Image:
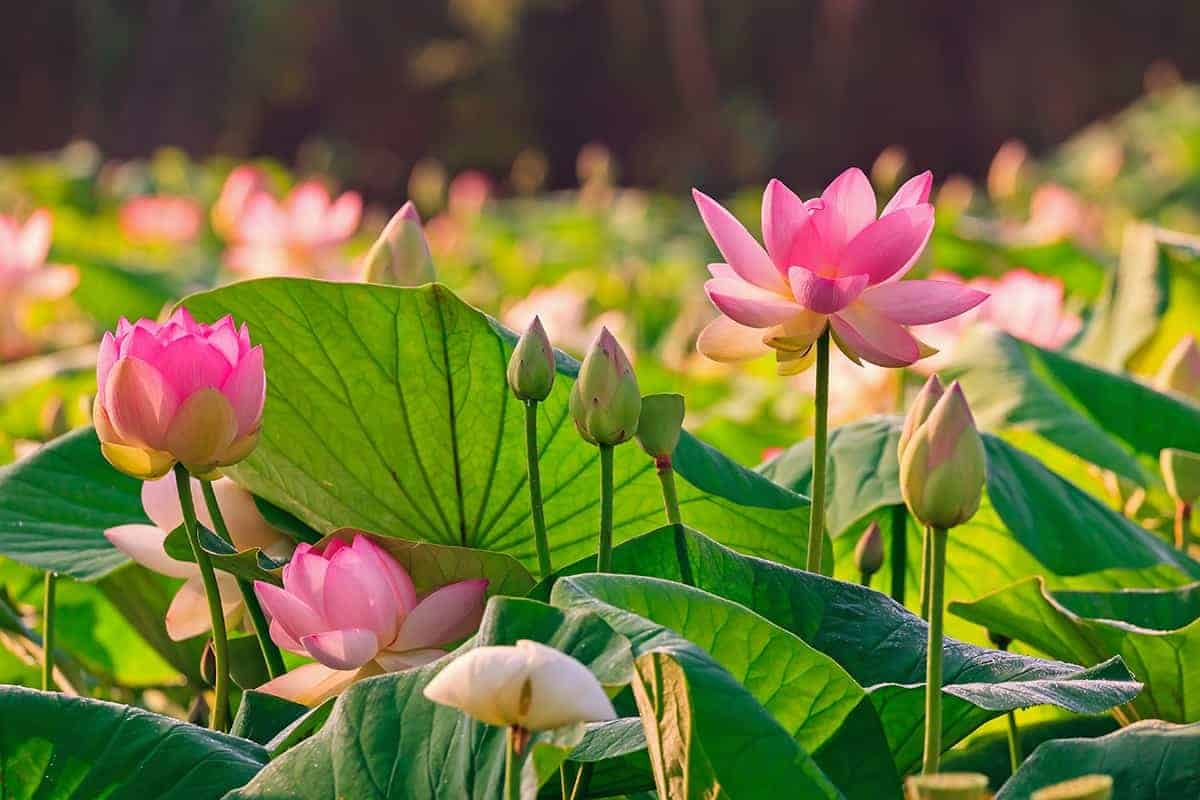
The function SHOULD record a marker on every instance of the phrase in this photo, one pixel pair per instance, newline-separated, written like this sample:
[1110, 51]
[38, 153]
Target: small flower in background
[241, 184]
[162, 218]
[26, 279]
[468, 193]
[528, 686]
[353, 608]
[563, 312]
[178, 391]
[827, 262]
[1057, 213]
[1023, 304]
[188, 614]
[299, 236]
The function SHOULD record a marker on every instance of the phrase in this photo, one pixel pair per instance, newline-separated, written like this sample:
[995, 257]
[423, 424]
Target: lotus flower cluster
[829, 263]
[188, 614]
[26, 278]
[354, 609]
[180, 391]
[298, 236]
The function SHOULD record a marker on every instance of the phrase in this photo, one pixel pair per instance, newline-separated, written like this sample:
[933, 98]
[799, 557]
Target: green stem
[535, 490]
[816, 520]
[899, 551]
[262, 628]
[582, 778]
[48, 631]
[604, 552]
[666, 476]
[925, 545]
[865, 579]
[1014, 742]
[933, 662]
[512, 764]
[220, 706]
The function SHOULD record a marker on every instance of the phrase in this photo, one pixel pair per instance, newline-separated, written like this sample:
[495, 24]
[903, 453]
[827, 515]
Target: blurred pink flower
[1022, 303]
[188, 614]
[1057, 213]
[240, 185]
[828, 262]
[354, 609]
[468, 193]
[178, 391]
[857, 390]
[300, 236]
[162, 218]
[563, 312]
[26, 278]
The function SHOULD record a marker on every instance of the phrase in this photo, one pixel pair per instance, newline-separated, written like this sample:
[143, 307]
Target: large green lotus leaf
[807, 692]
[1104, 417]
[383, 739]
[1031, 521]
[55, 746]
[879, 643]
[1151, 760]
[388, 410]
[1155, 631]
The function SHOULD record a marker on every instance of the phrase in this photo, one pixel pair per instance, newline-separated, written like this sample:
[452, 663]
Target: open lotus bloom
[178, 391]
[529, 686]
[353, 608]
[26, 278]
[299, 236]
[188, 614]
[828, 263]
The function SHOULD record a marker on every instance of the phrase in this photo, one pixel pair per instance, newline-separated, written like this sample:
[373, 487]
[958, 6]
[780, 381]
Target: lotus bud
[1181, 474]
[531, 366]
[180, 391]
[946, 786]
[1180, 371]
[605, 401]
[528, 686]
[400, 256]
[659, 424]
[918, 412]
[943, 468]
[868, 553]
[1085, 787]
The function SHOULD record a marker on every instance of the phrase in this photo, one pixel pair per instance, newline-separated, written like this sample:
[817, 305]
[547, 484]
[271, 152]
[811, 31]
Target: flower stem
[512, 763]
[666, 476]
[1183, 522]
[865, 579]
[899, 551]
[535, 490]
[925, 561]
[220, 707]
[583, 776]
[275, 666]
[816, 520]
[1014, 742]
[48, 631]
[604, 553]
[933, 661]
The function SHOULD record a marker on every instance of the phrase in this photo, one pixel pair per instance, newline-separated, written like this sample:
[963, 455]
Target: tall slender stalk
[218, 719]
[816, 521]
[666, 476]
[899, 551]
[512, 763]
[583, 776]
[933, 662]
[262, 629]
[540, 541]
[1183, 523]
[926, 541]
[1014, 742]
[48, 610]
[604, 552]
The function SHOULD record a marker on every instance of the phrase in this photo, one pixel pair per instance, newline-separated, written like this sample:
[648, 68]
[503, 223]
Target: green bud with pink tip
[400, 256]
[868, 553]
[920, 409]
[531, 366]
[942, 465]
[605, 402]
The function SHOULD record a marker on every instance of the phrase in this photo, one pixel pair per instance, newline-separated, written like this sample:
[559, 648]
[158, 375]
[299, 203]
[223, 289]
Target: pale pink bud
[943, 467]
[400, 256]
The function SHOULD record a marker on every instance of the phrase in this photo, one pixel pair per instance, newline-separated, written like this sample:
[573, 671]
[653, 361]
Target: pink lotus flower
[188, 614]
[178, 391]
[828, 262]
[26, 278]
[175, 220]
[299, 236]
[242, 183]
[354, 609]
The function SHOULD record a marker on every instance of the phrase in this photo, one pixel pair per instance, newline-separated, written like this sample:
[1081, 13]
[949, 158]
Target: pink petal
[749, 305]
[51, 282]
[394, 662]
[397, 577]
[725, 340]
[191, 363]
[783, 215]
[160, 501]
[740, 249]
[849, 207]
[284, 639]
[224, 338]
[723, 271]
[309, 684]
[139, 402]
[914, 192]
[409, 211]
[144, 544]
[350, 648]
[306, 205]
[293, 614]
[34, 240]
[824, 295]
[450, 613]
[344, 216]
[188, 614]
[874, 337]
[922, 302]
[304, 577]
[888, 248]
[247, 526]
[141, 342]
[246, 389]
[358, 594]
[105, 358]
